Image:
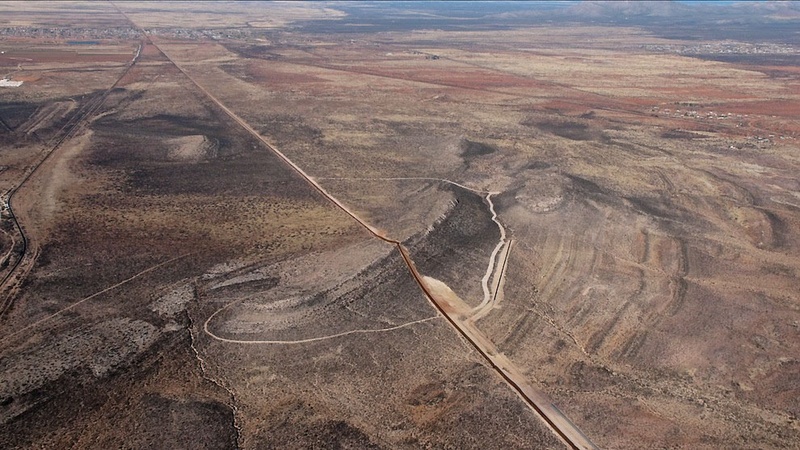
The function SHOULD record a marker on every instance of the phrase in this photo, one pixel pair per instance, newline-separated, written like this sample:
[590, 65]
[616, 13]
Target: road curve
[537, 400]
[500, 252]
[309, 340]
[488, 295]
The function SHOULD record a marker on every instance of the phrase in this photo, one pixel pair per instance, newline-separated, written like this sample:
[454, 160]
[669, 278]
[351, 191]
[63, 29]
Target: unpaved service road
[560, 425]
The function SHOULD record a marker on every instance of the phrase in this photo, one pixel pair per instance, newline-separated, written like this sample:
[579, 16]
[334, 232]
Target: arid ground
[364, 225]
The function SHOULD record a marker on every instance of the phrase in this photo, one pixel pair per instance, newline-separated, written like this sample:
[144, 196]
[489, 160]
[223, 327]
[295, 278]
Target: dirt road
[536, 399]
[19, 270]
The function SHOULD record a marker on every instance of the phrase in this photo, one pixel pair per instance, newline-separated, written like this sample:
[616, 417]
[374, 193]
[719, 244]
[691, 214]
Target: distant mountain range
[621, 9]
[751, 11]
[752, 21]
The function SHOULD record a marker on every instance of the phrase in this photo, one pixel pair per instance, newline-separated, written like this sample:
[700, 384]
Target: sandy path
[480, 312]
[314, 339]
[488, 294]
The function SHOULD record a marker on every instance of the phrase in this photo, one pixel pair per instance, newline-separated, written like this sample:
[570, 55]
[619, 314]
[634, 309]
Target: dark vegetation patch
[456, 408]
[288, 127]
[754, 59]
[16, 113]
[138, 149]
[298, 425]
[428, 394]
[117, 412]
[160, 125]
[252, 51]
[331, 311]
[681, 134]
[171, 423]
[574, 131]
[119, 98]
[243, 176]
[133, 152]
[778, 269]
[505, 200]
[473, 148]
[538, 165]
[86, 257]
[249, 287]
[85, 104]
[650, 206]
[45, 116]
[10, 140]
[584, 185]
[459, 243]
[398, 127]
[657, 207]
[779, 73]
[780, 230]
[590, 377]
[236, 70]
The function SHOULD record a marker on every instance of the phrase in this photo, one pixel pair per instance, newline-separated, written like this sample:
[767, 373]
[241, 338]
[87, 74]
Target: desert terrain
[379, 225]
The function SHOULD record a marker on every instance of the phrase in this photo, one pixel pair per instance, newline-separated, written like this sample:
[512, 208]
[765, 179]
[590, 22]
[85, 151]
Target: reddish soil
[28, 57]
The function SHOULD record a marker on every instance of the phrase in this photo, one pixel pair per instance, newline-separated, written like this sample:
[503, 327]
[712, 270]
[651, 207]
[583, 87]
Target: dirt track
[559, 424]
[85, 299]
[10, 285]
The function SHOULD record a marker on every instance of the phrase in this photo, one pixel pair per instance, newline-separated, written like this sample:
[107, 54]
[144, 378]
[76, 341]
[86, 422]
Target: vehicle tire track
[309, 340]
[96, 294]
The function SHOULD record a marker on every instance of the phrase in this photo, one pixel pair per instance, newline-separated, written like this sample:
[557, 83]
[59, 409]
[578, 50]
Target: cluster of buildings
[60, 33]
[216, 34]
[711, 115]
[88, 34]
[5, 82]
[725, 47]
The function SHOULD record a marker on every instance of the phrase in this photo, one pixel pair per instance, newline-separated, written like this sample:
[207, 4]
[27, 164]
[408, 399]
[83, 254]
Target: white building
[5, 82]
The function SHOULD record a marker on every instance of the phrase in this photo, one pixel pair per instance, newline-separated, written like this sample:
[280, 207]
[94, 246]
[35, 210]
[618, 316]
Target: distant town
[729, 47]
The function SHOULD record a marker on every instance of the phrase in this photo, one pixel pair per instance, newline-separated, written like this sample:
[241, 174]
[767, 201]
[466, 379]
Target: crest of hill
[620, 9]
[776, 10]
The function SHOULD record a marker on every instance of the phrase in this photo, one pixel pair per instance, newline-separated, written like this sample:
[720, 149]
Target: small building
[5, 82]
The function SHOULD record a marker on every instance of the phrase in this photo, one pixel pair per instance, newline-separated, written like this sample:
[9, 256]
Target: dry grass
[650, 290]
